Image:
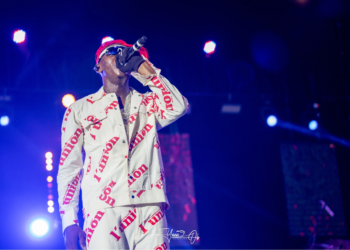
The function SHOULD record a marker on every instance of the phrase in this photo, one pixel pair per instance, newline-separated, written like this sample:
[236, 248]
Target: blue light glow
[4, 120]
[271, 120]
[313, 125]
[39, 228]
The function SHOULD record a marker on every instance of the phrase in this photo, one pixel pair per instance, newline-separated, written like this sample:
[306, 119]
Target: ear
[98, 68]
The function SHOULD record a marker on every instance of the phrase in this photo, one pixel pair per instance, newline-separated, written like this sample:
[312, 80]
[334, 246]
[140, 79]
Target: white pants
[127, 227]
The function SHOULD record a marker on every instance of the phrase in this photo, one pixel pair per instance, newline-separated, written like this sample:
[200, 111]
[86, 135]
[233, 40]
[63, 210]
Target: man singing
[122, 177]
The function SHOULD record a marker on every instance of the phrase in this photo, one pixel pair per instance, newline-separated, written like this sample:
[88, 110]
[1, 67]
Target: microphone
[327, 208]
[136, 46]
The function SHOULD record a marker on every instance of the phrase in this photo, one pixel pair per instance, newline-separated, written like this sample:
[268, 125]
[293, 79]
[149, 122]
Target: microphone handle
[137, 46]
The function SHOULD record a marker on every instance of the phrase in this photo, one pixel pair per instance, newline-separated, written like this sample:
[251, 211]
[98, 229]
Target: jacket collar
[98, 95]
[101, 93]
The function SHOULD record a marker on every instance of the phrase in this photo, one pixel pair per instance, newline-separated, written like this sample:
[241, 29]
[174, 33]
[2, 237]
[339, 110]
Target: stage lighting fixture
[39, 227]
[49, 161]
[50, 197]
[313, 125]
[49, 179]
[19, 36]
[5, 98]
[271, 120]
[209, 47]
[4, 120]
[48, 155]
[49, 185]
[107, 39]
[231, 109]
[49, 167]
[50, 203]
[67, 100]
[50, 209]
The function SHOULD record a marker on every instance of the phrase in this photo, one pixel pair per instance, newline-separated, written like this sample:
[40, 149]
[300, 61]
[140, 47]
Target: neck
[120, 88]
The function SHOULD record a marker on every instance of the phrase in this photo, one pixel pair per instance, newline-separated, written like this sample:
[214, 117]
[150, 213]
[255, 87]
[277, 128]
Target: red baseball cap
[142, 50]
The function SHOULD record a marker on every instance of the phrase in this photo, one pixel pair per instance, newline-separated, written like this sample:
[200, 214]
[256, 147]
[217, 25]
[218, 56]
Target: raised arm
[168, 104]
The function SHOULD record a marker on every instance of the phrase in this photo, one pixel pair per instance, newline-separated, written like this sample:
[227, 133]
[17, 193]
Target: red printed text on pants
[94, 223]
[126, 221]
[156, 217]
[161, 247]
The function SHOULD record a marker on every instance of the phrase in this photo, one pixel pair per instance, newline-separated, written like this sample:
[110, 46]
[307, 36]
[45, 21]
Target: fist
[72, 234]
[125, 64]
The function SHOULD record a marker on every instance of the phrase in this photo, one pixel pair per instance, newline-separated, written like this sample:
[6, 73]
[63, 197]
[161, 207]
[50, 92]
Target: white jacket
[115, 173]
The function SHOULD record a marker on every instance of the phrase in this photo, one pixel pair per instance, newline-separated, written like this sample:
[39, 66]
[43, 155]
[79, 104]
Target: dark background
[282, 55]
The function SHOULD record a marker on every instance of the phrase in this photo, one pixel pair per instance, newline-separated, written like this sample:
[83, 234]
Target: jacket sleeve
[71, 163]
[166, 101]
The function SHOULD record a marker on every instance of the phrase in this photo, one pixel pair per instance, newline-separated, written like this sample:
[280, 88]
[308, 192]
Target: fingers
[123, 54]
[71, 245]
[71, 236]
[119, 60]
[82, 240]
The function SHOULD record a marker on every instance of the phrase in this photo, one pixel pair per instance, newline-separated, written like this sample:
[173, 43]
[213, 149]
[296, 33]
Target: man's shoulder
[82, 103]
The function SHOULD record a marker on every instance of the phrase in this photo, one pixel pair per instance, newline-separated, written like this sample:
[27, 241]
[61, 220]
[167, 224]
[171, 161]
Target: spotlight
[271, 120]
[49, 167]
[4, 120]
[19, 36]
[50, 209]
[49, 179]
[49, 161]
[50, 197]
[313, 125]
[39, 227]
[107, 39]
[50, 203]
[48, 155]
[209, 47]
[67, 100]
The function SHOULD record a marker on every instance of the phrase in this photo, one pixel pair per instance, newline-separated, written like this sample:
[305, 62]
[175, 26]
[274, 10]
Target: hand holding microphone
[127, 60]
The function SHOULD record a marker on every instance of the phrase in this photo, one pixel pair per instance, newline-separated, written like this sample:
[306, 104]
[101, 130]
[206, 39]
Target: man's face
[108, 66]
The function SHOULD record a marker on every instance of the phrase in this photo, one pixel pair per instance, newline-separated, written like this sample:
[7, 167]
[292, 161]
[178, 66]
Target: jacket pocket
[93, 120]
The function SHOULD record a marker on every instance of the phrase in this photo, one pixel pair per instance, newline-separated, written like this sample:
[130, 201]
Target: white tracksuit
[118, 175]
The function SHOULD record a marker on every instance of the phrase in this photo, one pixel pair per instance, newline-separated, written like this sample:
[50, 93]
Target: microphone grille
[143, 40]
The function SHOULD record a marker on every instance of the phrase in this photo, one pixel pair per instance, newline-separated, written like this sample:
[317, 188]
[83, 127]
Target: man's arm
[168, 103]
[68, 177]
